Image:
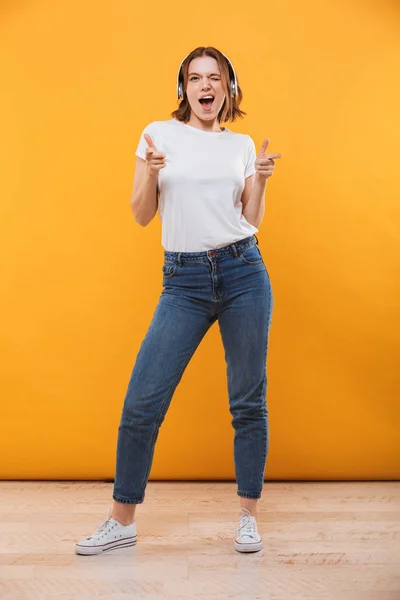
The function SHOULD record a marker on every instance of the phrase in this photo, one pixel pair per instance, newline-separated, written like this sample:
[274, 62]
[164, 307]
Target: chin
[206, 117]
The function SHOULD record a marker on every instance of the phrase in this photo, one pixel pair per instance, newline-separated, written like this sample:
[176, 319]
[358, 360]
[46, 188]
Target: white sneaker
[247, 537]
[110, 534]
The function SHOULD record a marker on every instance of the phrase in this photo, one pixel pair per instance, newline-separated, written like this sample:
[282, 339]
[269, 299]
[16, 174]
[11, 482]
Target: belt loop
[235, 250]
[256, 238]
[179, 258]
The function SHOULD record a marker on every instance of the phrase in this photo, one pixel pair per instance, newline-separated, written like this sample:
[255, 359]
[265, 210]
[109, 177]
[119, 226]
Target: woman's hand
[155, 160]
[265, 163]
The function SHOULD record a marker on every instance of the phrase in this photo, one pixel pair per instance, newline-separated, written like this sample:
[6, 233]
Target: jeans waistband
[235, 249]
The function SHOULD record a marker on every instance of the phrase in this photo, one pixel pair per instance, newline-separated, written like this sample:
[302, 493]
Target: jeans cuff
[249, 495]
[128, 500]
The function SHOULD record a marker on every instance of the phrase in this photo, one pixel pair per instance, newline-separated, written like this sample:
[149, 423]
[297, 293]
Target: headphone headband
[232, 77]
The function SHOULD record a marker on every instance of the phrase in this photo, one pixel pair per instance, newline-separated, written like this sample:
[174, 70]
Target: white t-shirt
[201, 185]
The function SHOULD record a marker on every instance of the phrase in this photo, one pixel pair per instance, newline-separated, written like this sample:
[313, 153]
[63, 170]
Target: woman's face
[204, 79]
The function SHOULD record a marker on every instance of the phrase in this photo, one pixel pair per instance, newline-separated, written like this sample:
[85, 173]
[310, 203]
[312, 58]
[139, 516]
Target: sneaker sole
[122, 543]
[248, 547]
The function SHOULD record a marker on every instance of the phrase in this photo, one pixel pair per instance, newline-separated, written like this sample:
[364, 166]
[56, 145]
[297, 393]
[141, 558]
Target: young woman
[208, 185]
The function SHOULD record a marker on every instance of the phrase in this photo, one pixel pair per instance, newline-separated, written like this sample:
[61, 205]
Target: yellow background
[80, 279]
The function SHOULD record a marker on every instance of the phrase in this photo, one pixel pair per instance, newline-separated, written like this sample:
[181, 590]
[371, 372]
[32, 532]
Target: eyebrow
[206, 74]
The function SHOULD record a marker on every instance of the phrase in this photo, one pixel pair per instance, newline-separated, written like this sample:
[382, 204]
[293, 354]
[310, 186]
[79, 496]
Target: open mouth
[207, 102]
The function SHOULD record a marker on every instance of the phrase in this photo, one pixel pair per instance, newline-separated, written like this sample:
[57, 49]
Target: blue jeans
[230, 284]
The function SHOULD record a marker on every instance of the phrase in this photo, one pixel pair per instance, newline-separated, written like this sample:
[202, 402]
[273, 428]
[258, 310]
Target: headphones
[232, 78]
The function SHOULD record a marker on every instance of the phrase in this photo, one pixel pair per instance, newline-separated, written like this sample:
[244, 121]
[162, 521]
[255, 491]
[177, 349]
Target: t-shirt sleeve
[142, 145]
[251, 156]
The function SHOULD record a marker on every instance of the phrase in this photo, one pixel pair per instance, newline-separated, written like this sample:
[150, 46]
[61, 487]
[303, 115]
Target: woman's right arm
[144, 201]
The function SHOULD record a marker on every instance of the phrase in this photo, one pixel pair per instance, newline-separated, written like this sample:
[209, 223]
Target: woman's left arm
[253, 196]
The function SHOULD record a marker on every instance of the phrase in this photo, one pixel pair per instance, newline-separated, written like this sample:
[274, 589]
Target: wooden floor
[339, 541]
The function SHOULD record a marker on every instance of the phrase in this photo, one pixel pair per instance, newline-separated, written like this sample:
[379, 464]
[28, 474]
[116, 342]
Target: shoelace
[102, 526]
[247, 525]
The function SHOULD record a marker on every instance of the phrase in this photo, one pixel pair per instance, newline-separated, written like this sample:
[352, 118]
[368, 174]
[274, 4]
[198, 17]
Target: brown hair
[230, 110]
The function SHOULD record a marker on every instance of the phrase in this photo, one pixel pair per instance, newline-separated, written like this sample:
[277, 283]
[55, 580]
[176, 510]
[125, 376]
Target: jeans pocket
[168, 269]
[252, 255]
